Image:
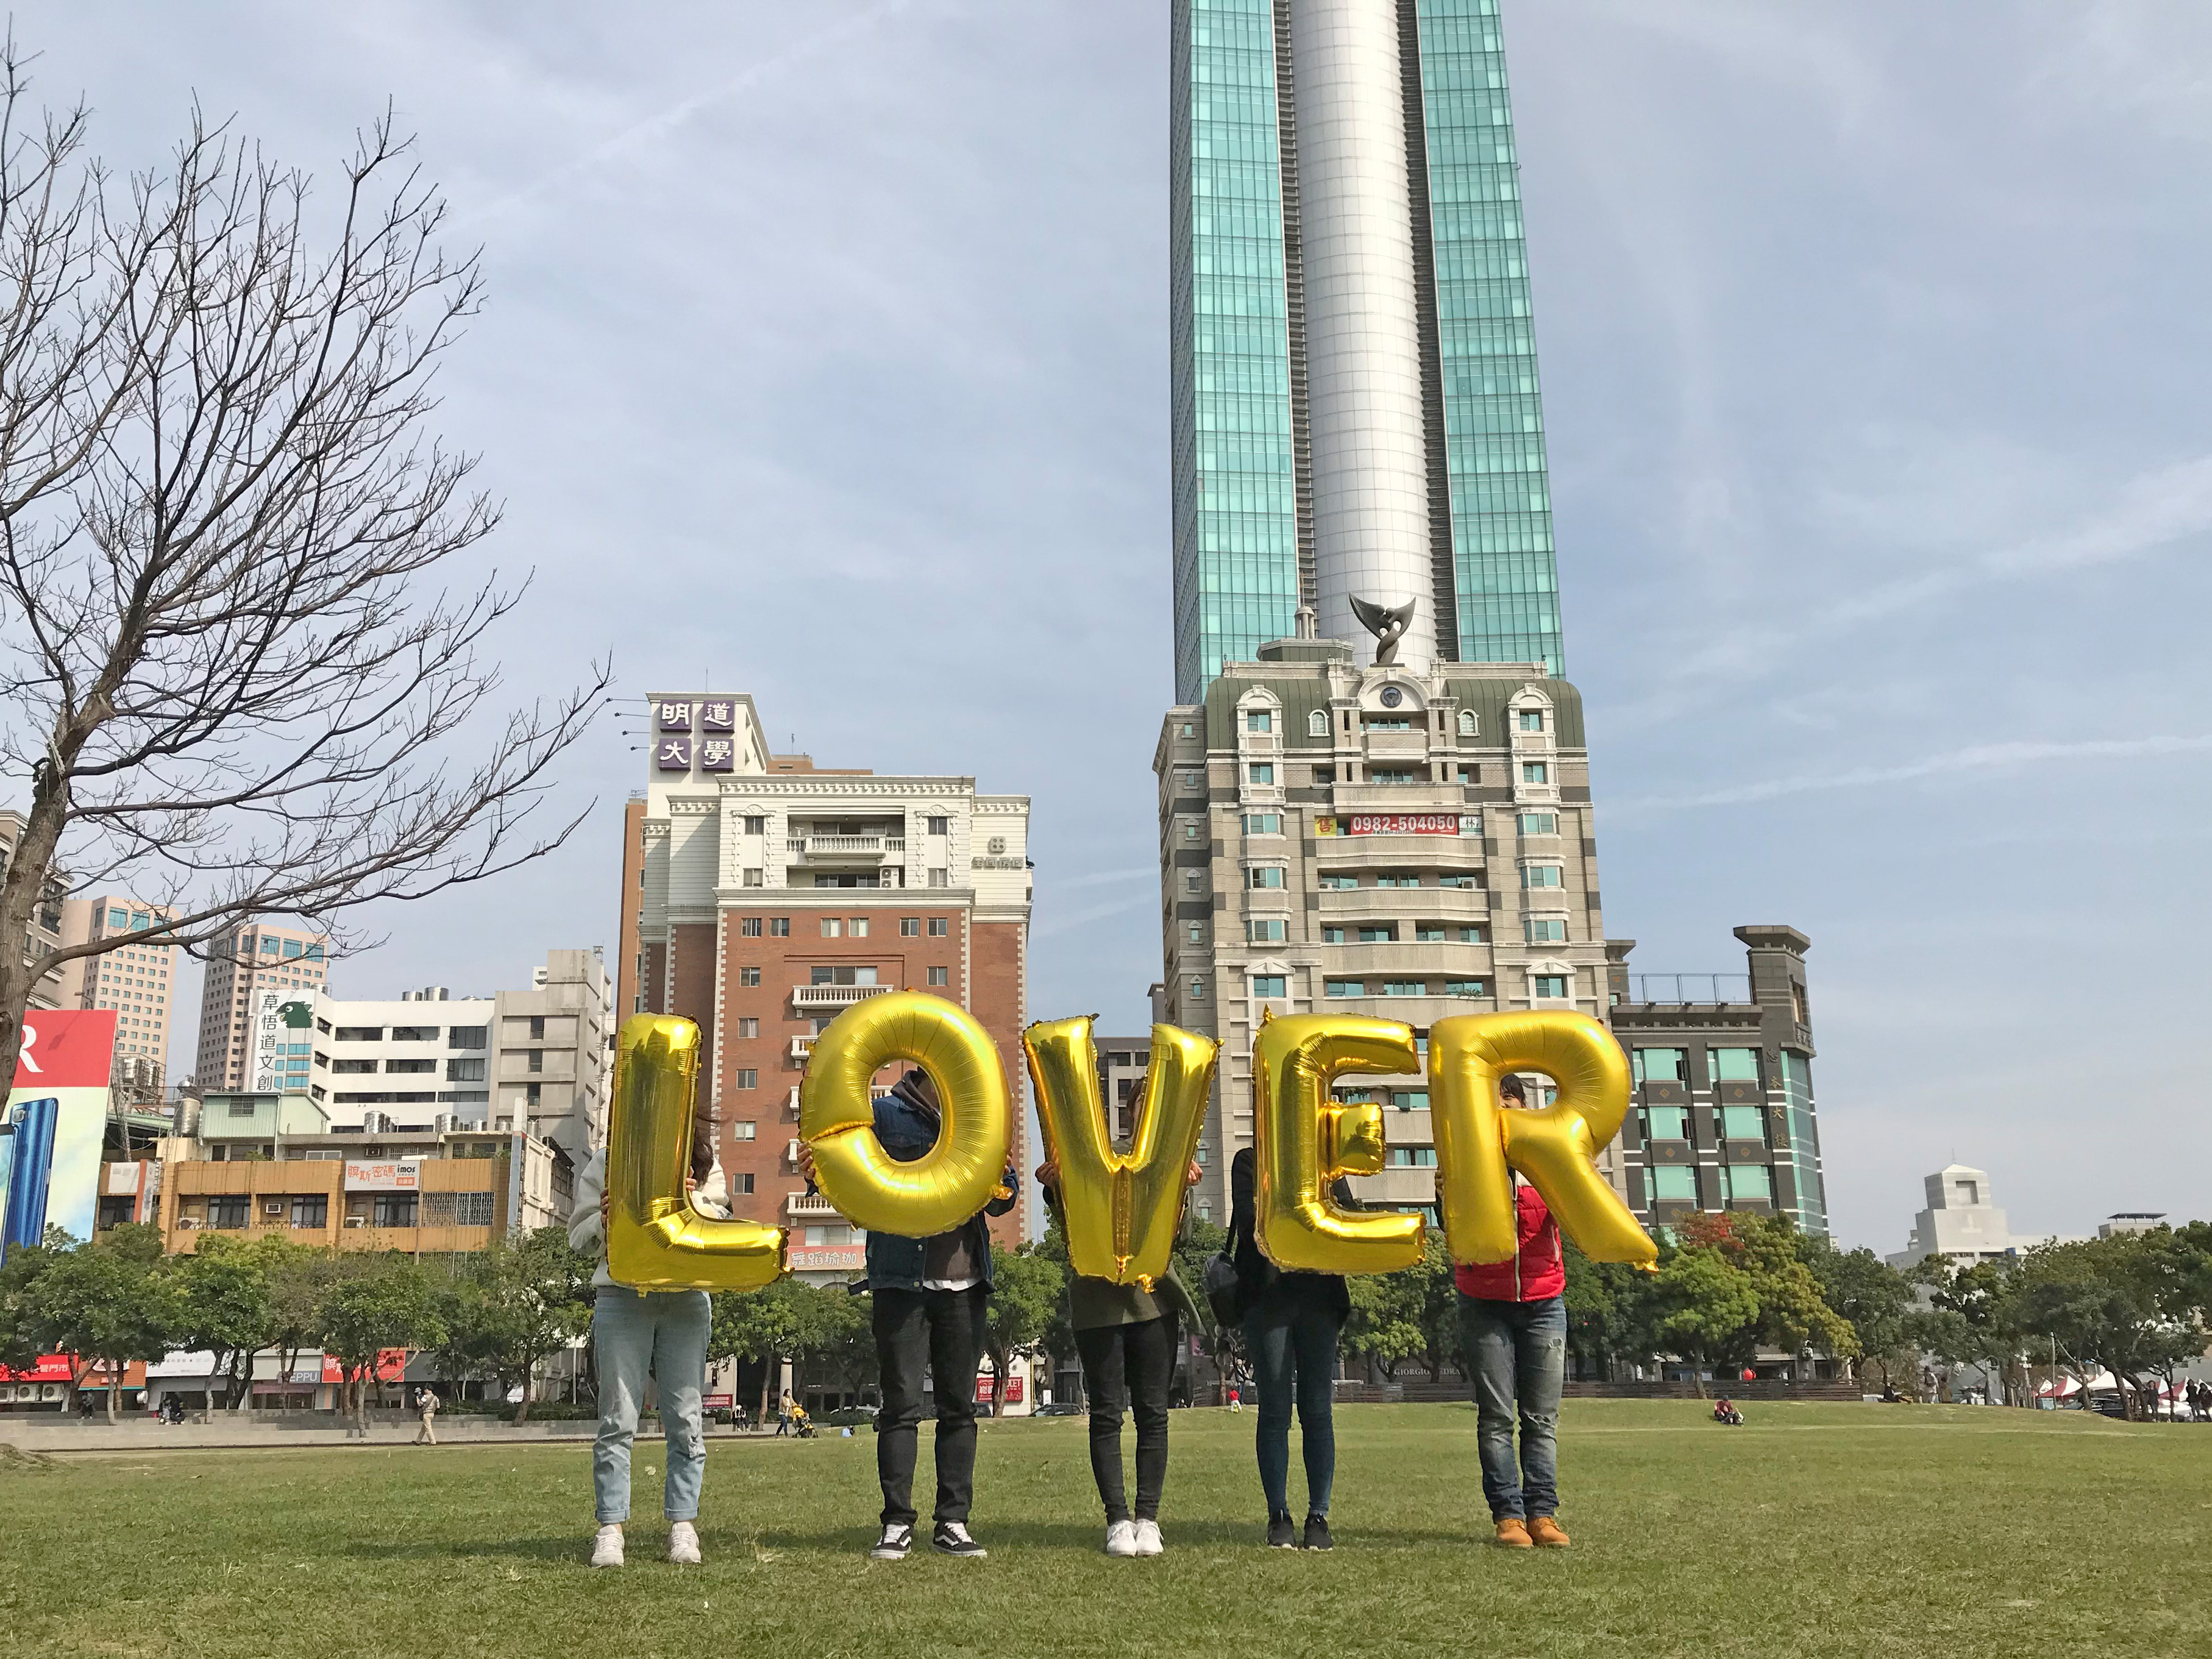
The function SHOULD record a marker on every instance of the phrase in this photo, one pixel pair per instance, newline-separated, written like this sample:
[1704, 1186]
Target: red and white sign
[66, 1049]
[1013, 1388]
[390, 1176]
[824, 1258]
[1400, 823]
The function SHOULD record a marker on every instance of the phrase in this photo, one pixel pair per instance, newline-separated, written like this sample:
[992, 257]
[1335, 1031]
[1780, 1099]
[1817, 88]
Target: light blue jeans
[662, 1333]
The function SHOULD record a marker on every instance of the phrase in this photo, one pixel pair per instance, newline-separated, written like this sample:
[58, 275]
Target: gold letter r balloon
[655, 1240]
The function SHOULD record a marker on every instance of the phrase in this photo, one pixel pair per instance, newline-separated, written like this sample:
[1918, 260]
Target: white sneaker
[1120, 1539]
[1148, 1538]
[607, 1547]
[683, 1544]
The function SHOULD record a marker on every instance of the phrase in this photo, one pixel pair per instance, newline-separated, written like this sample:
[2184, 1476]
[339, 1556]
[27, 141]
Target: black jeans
[1129, 1366]
[944, 1331]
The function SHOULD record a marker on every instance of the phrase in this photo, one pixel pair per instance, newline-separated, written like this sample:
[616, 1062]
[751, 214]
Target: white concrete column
[1363, 340]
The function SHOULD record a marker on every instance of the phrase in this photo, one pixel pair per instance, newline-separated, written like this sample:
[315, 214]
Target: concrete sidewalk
[230, 1433]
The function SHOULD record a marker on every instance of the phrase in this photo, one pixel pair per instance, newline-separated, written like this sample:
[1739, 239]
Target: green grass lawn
[1815, 1530]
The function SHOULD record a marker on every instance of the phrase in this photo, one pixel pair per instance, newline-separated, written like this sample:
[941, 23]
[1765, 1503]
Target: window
[1344, 988]
[1400, 879]
[1541, 875]
[1666, 1123]
[1324, 774]
[1532, 720]
[940, 976]
[1411, 1100]
[1198, 933]
[940, 878]
[1193, 882]
[1546, 930]
[533, 1094]
[938, 826]
[1743, 1123]
[1263, 824]
[1197, 990]
[937, 927]
[748, 1130]
[314, 953]
[1470, 775]
[1387, 723]
[465, 1071]
[1317, 724]
[1270, 985]
[748, 1078]
[1466, 728]
[312, 1210]
[352, 1068]
[468, 1037]
[778, 926]
[832, 927]
[1192, 780]
[1265, 930]
[414, 1067]
[1674, 1183]
[1535, 772]
[1401, 775]
[1190, 832]
[742, 1185]
[1457, 878]
[757, 825]
[421, 1034]
[1659, 1065]
[538, 1028]
[393, 1210]
[1405, 987]
[1463, 987]
[749, 927]
[1332, 935]
[753, 878]
[1258, 719]
[359, 1034]
[230, 1210]
[1428, 932]
[1262, 771]
[117, 919]
[1552, 985]
[1413, 1157]
[1189, 730]
[1742, 1183]
[748, 975]
[269, 947]
[1733, 1065]
[858, 928]
[1381, 934]
[1267, 875]
[909, 926]
[1338, 883]
[748, 1027]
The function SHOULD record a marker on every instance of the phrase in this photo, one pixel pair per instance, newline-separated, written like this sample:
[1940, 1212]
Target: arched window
[1317, 723]
[1467, 722]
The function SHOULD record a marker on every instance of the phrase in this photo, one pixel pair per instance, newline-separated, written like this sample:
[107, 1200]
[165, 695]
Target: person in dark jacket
[1513, 1327]
[929, 1305]
[1291, 1323]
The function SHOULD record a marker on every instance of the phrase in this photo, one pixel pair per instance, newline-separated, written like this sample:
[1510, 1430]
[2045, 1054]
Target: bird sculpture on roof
[1388, 624]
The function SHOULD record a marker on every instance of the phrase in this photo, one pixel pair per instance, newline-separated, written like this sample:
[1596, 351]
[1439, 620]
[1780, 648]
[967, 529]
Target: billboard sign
[825, 1258]
[384, 1175]
[1401, 824]
[50, 1134]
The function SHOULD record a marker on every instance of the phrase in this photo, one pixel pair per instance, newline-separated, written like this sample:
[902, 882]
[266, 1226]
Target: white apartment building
[261, 957]
[137, 980]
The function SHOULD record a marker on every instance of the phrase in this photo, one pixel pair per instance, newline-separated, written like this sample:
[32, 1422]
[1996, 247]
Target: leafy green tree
[224, 1307]
[1407, 1315]
[1793, 1313]
[839, 1338]
[22, 1337]
[382, 1301]
[1704, 1309]
[1875, 1298]
[1026, 1288]
[112, 1300]
[768, 1325]
[524, 1297]
[2109, 1302]
[1603, 1304]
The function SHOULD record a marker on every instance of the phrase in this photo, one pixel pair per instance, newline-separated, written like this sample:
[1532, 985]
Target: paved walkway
[231, 1433]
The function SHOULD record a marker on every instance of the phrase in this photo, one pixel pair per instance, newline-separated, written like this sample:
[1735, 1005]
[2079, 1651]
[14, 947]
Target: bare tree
[230, 667]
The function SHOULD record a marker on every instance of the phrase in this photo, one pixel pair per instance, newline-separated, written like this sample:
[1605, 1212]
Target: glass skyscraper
[1357, 414]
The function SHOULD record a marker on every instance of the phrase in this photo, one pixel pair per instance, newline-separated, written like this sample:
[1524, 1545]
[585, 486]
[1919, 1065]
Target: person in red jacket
[1513, 1326]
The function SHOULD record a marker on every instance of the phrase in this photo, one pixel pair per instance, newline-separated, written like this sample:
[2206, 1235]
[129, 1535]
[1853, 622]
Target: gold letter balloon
[1478, 1140]
[959, 1174]
[655, 1240]
[1120, 1209]
[1306, 1141]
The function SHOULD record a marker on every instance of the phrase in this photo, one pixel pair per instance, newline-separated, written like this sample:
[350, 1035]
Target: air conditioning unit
[356, 1221]
[272, 1206]
[186, 1223]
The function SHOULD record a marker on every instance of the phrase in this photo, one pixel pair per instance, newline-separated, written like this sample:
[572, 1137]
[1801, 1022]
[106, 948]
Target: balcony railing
[801, 1047]
[809, 1204]
[847, 847]
[834, 996]
[1694, 988]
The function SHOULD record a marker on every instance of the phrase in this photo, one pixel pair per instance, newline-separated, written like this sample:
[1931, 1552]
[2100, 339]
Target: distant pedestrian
[784, 1407]
[426, 1410]
[1236, 1398]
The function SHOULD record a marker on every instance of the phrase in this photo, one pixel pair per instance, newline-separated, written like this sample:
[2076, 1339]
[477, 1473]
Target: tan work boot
[1548, 1534]
[1513, 1534]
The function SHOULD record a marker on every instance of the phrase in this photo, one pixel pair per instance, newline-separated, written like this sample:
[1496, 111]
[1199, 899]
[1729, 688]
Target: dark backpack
[1223, 1294]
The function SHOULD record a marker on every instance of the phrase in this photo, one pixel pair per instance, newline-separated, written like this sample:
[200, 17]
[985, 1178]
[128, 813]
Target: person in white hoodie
[636, 1333]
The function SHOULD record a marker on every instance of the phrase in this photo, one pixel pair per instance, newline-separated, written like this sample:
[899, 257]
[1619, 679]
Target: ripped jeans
[662, 1333]
[1517, 1352]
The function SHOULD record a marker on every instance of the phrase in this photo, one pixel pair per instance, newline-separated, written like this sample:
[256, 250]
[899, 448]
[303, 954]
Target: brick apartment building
[763, 895]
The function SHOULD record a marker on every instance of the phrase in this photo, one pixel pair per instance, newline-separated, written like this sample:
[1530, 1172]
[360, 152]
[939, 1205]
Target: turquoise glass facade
[1810, 1212]
[1236, 503]
[1504, 574]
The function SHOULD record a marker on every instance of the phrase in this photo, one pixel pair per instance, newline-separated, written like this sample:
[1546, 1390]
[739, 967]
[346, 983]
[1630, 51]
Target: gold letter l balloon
[1120, 1209]
[1305, 1141]
[655, 1240]
[1478, 1140]
[957, 1176]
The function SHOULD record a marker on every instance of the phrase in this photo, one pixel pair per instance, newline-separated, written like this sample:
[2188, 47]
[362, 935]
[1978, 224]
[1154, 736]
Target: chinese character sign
[673, 716]
[672, 753]
[718, 716]
[717, 755]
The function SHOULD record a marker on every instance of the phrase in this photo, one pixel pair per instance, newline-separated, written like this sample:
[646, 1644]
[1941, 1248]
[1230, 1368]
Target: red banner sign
[65, 1049]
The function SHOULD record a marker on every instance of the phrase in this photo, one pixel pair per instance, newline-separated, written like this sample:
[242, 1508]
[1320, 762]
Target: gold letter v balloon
[1120, 1209]
[955, 1178]
[655, 1240]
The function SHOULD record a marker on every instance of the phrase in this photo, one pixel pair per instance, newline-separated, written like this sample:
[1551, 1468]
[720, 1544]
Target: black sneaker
[1317, 1536]
[893, 1545]
[953, 1538]
[1282, 1533]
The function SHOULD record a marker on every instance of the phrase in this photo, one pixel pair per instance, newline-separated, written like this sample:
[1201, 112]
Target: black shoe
[1317, 1536]
[1282, 1533]
[894, 1544]
[952, 1538]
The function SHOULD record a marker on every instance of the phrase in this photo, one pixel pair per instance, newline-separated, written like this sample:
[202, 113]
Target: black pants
[1129, 1366]
[944, 1331]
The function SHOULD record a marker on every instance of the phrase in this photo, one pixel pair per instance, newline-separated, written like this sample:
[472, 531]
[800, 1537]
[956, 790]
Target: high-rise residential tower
[1356, 410]
[261, 955]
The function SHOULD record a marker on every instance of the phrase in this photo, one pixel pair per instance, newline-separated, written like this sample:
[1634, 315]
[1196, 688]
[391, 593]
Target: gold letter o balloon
[959, 1174]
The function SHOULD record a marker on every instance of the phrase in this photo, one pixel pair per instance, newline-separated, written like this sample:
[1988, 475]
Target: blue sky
[826, 358]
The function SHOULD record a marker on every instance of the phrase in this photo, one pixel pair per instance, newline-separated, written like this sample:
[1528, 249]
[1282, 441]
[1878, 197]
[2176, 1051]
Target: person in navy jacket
[1513, 1329]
